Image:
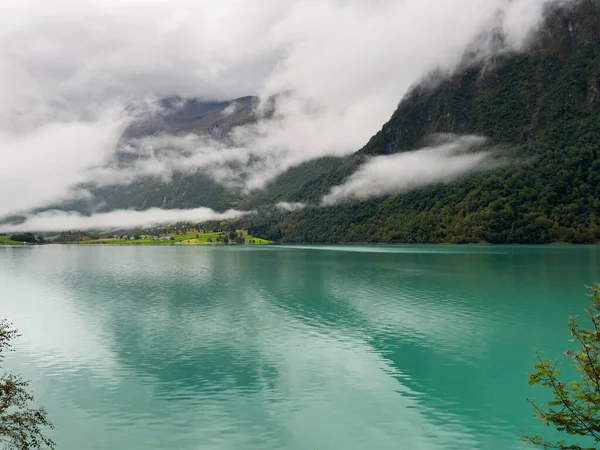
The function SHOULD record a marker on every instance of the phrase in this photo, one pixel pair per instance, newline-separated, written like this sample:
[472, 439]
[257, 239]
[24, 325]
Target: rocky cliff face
[511, 97]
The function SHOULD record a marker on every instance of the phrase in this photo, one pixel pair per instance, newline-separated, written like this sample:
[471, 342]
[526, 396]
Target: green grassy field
[203, 238]
[5, 240]
[191, 238]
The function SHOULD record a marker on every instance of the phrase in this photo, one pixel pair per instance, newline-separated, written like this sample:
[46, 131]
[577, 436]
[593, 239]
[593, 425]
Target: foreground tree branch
[575, 407]
[21, 426]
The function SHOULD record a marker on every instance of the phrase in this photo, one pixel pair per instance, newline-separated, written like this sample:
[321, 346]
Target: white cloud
[44, 165]
[63, 220]
[285, 206]
[231, 109]
[396, 173]
[66, 63]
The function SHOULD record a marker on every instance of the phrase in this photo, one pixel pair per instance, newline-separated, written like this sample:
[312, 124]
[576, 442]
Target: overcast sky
[69, 67]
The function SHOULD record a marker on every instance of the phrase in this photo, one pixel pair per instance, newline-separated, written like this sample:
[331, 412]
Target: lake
[299, 347]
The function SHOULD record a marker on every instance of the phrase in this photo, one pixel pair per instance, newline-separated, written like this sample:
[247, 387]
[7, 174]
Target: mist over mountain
[541, 106]
[139, 175]
[495, 144]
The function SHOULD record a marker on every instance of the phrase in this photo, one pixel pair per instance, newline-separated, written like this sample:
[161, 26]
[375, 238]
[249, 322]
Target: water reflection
[165, 347]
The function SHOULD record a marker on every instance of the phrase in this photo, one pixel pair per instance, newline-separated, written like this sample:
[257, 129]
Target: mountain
[194, 115]
[181, 117]
[177, 117]
[543, 104]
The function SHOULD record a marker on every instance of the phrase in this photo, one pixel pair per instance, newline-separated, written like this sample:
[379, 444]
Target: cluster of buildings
[143, 236]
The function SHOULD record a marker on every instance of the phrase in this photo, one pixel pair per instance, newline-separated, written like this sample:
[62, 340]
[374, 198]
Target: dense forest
[543, 105]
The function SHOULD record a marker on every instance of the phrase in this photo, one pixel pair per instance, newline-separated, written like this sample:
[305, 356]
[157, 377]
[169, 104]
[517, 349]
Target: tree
[21, 426]
[575, 408]
[41, 239]
[25, 237]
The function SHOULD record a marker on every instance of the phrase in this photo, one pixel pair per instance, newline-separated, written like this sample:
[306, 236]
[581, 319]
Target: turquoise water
[331, 347]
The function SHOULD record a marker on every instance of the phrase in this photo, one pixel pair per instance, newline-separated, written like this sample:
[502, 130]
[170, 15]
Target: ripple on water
[331, 347]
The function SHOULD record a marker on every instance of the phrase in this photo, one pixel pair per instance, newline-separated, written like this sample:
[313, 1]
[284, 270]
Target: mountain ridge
[543, 103]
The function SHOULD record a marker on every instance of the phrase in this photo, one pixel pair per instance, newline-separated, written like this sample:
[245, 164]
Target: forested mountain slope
[543, 104]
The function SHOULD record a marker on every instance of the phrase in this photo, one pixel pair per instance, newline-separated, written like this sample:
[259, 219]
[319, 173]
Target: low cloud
[63, 220]
[452, 158]
[285, 206]
[231, 109]
[162, 155]
[46, 164]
